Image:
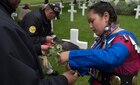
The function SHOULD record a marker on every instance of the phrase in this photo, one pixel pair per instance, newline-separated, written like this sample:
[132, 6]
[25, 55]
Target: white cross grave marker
[74, 39]
[137, 12]
[83, 8]
[79, 4]
[72, 11]
[61, 6]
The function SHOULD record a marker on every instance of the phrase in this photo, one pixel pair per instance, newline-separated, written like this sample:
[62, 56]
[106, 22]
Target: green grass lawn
[62, 30]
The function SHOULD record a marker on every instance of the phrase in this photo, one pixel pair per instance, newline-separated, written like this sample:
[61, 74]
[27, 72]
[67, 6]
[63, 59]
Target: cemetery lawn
[62, 30]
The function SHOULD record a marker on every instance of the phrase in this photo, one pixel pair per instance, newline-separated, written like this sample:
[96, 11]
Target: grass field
[62, 30]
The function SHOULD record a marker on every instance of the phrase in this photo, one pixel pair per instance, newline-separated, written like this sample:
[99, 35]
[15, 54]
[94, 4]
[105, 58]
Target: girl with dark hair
[114, 57]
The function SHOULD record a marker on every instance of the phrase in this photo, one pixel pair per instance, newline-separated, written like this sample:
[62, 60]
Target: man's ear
[106, 16]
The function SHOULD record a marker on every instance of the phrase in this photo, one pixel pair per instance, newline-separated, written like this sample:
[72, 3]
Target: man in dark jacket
[38, 25]
[18, 60]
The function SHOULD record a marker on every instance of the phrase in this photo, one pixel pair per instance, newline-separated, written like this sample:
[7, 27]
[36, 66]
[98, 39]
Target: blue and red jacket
[120, 56]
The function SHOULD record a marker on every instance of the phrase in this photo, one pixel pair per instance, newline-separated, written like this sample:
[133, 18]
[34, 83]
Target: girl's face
[97, 22]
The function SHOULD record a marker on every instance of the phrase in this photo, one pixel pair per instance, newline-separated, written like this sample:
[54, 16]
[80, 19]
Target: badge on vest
[32, 29]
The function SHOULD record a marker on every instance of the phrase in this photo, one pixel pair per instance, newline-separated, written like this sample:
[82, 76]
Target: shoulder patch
[32, 29]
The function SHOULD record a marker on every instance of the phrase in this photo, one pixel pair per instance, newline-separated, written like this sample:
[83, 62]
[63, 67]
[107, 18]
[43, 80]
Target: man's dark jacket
[37, 19]
[18, 61]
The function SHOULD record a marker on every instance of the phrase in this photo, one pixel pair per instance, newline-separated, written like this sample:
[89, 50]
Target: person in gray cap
[37, 24]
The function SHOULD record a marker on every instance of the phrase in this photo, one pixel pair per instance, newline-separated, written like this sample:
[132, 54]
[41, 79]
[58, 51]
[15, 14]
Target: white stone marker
[79, 4]
[137, 12]
[74, 39]
[72, 11]
[61, 6]
[83, 9]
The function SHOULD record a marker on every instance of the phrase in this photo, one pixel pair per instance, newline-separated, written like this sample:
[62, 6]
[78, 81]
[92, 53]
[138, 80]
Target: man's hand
[43, 49]
[71, 76]
[63, 57]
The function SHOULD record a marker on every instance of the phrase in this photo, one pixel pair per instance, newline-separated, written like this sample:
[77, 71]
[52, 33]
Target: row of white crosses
[83, 7]
[72, 11]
